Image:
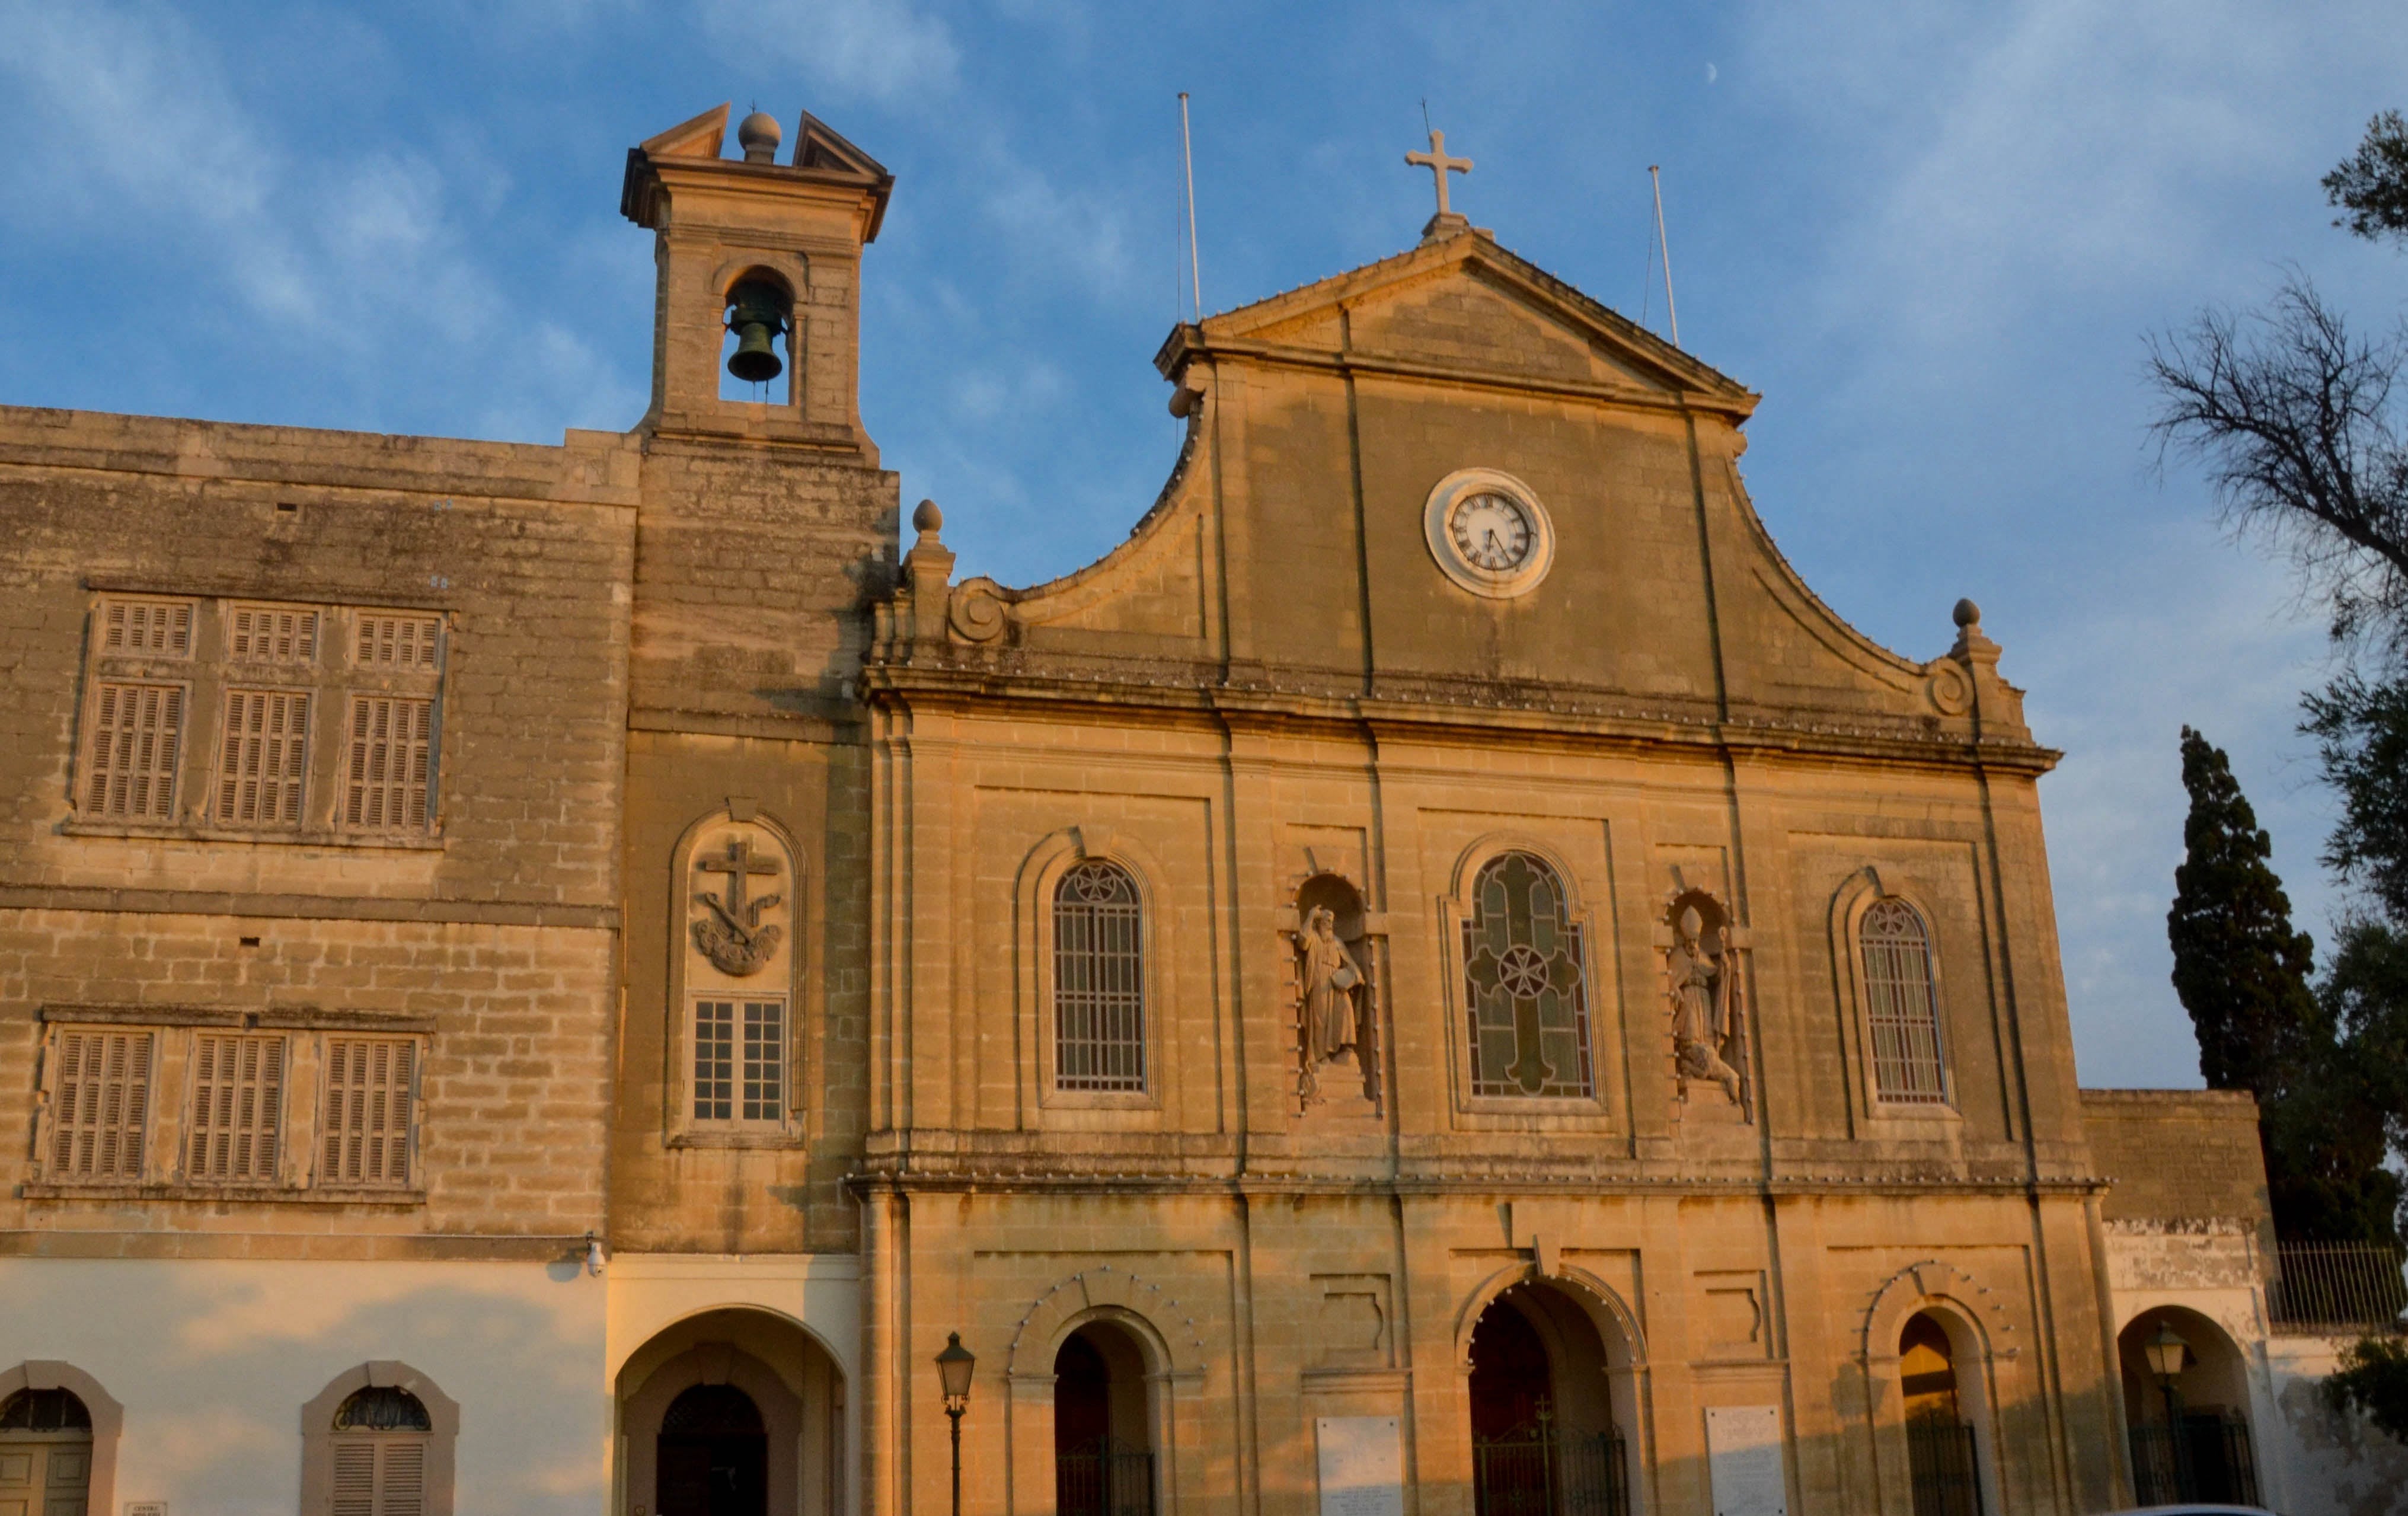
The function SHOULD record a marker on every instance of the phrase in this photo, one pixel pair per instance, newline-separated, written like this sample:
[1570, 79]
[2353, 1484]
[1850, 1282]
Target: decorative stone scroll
[1704, 987]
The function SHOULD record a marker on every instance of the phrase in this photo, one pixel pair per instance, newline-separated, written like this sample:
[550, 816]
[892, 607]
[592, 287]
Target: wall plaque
[1362, 1466]
[1744, 1461]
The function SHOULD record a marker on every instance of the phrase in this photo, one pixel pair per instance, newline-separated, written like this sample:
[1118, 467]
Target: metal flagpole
[1671, 311]
[1187, 160]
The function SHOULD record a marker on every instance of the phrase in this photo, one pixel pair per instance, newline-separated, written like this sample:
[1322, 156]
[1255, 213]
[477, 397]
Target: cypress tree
[2240, 970]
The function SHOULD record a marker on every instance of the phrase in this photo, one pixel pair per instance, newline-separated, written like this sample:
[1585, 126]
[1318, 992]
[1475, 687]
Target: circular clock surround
[1488, 533]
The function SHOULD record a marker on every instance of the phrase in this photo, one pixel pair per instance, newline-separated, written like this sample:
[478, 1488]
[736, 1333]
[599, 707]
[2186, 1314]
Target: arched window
[379, 1453]
[1525, 983]
[1903, 1012]
[1098, 981]
[45, 1453]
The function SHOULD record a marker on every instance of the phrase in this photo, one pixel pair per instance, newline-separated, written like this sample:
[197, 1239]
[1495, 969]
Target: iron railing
[2336, 1288]
[1103, 1478]
[1539, 1471]
[1943, 1468]
[2198, 1458]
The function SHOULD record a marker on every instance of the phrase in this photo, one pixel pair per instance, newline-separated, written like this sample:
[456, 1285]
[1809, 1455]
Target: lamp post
[2165, 1352]
[953, 1366]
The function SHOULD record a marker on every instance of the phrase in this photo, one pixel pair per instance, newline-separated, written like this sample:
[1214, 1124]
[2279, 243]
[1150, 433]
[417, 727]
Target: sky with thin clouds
[1934, 237]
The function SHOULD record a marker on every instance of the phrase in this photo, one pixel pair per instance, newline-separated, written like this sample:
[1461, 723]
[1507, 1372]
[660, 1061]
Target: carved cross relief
[731, 934]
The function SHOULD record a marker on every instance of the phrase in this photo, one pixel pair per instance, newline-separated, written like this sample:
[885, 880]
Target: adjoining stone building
[1435, 977]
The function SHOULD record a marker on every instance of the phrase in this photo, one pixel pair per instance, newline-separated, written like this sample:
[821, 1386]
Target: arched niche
[787, 1375]
[737, 961]
[1350, 1085]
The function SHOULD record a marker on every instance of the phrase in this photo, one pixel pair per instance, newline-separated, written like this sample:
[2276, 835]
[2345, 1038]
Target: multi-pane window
[1098, 981]
[740, 1062]
[390, 764]
[379, 1454]
[367, 1112]
[237, 1108]
[100, 1105]
[308, 720]
[136, 737]
[1525, 983]
[1901, 1006]
[265, 768]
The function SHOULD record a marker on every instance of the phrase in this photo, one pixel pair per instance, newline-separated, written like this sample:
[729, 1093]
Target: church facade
[1436, 977]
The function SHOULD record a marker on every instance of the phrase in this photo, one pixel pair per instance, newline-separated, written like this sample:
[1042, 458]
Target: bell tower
[767, 252]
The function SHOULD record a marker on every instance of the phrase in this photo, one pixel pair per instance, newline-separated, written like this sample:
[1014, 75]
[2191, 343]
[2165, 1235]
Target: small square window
[740, 1062]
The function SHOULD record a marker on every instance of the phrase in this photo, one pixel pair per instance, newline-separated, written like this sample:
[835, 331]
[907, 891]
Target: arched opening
[757, 348]
[1337, 1032]
[2190, 1426]
[1942, 1448]
[1546, 1441]
[1103, 1442]
[45, 1453]
[732, 1413]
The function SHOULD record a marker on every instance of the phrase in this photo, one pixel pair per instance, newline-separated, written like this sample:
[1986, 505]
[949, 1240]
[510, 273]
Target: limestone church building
[1436, 979]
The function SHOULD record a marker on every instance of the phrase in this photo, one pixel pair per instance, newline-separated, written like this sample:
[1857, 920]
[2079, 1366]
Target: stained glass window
[1525, 984]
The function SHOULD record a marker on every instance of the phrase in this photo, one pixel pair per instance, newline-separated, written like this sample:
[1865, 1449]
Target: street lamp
[2165, 1352]
[953, 1366]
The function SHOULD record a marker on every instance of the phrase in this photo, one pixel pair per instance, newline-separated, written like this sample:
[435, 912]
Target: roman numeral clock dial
[1488, 533]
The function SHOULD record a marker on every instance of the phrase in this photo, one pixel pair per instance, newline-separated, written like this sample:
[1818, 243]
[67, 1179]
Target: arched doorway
[1103, 1452]
[1943, 1448]
[732, 1412]
[1543, 1436]
[45, 1453]
[2190, 1428]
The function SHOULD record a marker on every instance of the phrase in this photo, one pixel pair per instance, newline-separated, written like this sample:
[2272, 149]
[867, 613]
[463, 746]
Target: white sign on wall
[1744, 1461]
[1362, 1466]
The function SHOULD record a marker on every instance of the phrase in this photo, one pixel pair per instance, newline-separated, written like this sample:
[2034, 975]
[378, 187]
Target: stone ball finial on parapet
[928, 519]
[1967, 613]
[759, 135]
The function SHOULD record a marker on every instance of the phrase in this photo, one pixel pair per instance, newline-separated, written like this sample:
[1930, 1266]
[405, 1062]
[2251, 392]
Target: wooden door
[45, 1476]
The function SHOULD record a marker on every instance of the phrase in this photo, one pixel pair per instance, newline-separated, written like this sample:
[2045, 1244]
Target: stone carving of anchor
[732, 935]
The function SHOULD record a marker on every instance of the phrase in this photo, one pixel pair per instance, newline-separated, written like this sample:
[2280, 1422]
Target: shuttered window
[100, 1105]
[399, 642]
[265, 764]
[380, 1454]
[146, 628]
[391, 760]
[272, 634]
[136, 734]
[1904, 1011]
[367, 1110]
[238, 1112]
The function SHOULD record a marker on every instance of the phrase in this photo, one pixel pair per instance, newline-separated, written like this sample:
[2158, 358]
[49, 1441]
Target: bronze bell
[758, 320]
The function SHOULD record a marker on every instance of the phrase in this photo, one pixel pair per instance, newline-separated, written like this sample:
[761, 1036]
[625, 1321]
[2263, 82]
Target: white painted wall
[213, 1361]
[2331, 1467]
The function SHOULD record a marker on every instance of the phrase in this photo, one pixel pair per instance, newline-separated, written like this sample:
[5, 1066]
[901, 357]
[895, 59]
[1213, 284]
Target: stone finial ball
[927, 518]
[1967, 613]
[758, 132]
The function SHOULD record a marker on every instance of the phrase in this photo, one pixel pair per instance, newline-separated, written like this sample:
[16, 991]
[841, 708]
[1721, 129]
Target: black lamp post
[2165, 1352]
[953, 1366]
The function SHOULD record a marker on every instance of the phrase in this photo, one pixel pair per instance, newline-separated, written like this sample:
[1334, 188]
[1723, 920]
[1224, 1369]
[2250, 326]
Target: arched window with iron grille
[1902, 1007]
[1098, 981]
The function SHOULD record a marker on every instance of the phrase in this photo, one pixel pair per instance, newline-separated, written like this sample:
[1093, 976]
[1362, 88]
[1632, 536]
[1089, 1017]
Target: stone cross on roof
[1440, 165]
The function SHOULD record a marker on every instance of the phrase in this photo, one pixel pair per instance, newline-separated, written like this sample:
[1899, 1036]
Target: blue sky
[1932, 235]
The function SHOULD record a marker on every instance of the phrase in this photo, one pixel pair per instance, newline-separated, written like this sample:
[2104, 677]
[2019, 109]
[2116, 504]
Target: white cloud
[876, 50]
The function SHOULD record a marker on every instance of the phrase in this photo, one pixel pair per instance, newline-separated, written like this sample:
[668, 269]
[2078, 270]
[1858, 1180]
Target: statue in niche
[1332, 1041]
[1705, 1014]
[732, 935]
[1331, 976]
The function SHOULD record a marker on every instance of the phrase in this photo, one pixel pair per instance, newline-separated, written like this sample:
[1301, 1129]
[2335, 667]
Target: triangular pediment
[1464, 304]
[820, 146]
[700, 138]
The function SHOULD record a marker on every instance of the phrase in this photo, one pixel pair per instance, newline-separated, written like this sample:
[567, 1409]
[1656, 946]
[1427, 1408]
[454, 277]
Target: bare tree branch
[2294, 422]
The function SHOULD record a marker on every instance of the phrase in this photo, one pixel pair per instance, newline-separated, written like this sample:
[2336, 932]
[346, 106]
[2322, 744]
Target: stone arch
[1040, 871]
[785, 1367]
[1164, 1334]
[317, 1431]
[1104, 1289]
[1541, 1298]
[2218, 1377]
[1981, 1350]
[790, 274]
[1616, 1323]
[107, 1418]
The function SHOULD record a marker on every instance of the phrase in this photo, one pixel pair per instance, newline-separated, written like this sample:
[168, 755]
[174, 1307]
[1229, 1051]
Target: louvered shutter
[138, 628]
[398, 641]
[265, 765]
[369, 1100]
[136, 734]
[238, 1108]
[390, 763]
[100, 1105]
[355, 1461]
[401, 1476]
[274, 634]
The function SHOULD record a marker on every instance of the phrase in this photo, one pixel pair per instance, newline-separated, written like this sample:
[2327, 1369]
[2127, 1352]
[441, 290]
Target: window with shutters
[264, 766]
[308, 724]
[1902, 1007]
[380, 1454]
[367, 1112]
[99, 1090]
[390, 767]
[739, 1063]
[234, 1125]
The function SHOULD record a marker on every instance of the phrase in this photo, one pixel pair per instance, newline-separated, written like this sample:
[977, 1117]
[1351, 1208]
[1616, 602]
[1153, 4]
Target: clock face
[1491, 531]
